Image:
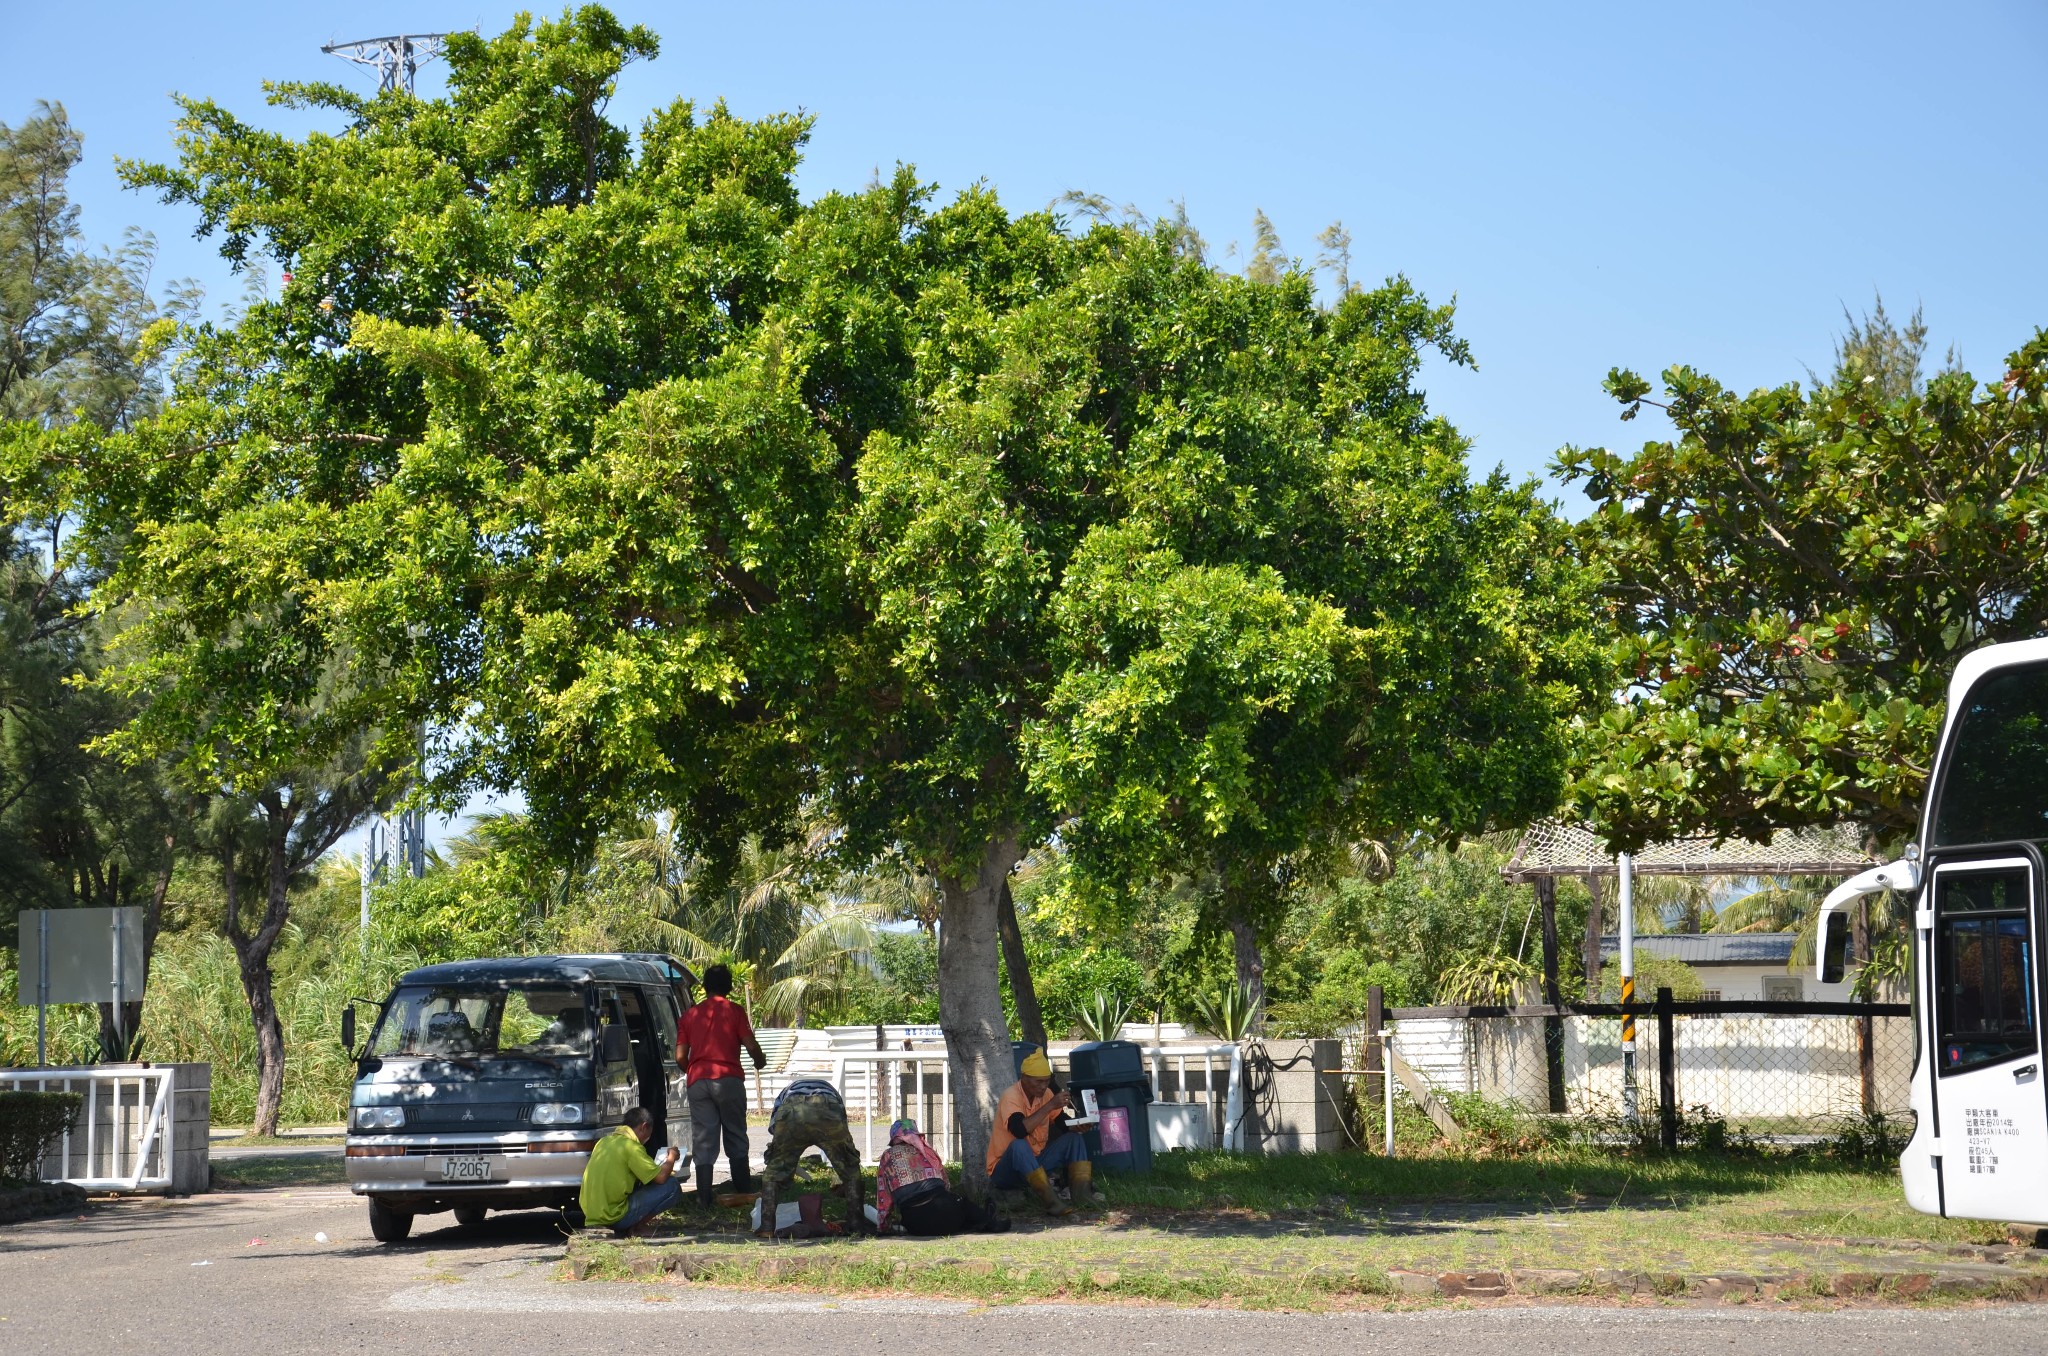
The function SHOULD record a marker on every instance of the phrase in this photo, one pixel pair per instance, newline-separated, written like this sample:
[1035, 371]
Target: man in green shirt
[623, 1186]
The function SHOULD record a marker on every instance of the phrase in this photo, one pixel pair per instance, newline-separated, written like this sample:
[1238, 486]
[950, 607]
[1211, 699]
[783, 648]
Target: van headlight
[380, 1117]
[558, 1113]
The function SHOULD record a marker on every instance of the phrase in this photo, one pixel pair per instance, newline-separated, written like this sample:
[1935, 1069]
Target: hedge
[30, 1122]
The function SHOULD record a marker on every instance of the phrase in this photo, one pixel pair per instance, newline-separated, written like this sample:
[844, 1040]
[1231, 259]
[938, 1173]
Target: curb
[35, 1202]
[818, 1265]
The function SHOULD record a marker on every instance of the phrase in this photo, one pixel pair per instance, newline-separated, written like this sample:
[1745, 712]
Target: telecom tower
[397, 59]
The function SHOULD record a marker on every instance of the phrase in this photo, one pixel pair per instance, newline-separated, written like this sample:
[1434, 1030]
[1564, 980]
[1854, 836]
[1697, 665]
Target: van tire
[388, 1225]
[572, 1218]
[469, 1216]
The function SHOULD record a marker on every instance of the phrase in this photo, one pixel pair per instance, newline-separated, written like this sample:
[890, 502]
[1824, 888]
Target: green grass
[235, 1174]
[1317, 1231]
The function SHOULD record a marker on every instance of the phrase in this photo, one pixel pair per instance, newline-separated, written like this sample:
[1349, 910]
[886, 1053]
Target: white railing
[880, 1086]
[121, 1139]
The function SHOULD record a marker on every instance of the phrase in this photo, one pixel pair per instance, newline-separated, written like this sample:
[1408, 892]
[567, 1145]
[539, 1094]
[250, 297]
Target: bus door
[1990, 1099]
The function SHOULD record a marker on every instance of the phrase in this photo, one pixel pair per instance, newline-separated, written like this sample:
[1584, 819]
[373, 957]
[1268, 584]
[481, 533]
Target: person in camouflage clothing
[810, 1114]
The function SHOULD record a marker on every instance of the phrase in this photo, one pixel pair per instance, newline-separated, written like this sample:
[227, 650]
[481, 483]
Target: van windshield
[1995, 787]
[470, 1022]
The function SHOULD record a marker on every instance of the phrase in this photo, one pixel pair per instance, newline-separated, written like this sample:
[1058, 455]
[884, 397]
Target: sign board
[95, 956]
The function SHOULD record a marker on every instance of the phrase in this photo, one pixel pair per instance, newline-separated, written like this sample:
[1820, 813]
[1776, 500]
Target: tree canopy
[1794, 578]
[643, 485]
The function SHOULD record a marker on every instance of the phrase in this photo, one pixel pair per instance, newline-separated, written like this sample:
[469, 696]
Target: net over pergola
[1550, 848]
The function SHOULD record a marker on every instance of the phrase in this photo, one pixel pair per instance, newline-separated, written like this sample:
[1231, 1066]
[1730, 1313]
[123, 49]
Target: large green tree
[645, 486]
[1794, 578]
[77, 827]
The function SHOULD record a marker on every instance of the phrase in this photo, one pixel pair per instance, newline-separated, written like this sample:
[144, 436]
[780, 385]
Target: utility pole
[1627, 871]
[397, 59]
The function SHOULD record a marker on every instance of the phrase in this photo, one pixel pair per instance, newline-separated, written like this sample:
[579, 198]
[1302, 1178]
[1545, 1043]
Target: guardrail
[121, 1140]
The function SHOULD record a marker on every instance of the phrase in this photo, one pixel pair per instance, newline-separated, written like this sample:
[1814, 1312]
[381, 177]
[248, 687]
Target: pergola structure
[1551, 849]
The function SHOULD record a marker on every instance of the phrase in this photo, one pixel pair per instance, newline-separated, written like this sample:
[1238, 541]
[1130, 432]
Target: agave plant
[1228, 1013]
[1489, 979]
[1104, 1016]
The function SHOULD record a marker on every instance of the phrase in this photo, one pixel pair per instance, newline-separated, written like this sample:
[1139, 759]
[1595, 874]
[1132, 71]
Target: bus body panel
[1979, 1148]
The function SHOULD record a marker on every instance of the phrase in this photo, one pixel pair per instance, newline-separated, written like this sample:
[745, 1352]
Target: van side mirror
[615, 1046]
[348, 1028]
[1832, 954]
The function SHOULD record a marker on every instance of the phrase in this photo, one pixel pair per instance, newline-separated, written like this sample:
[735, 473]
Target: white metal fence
[121, 1139]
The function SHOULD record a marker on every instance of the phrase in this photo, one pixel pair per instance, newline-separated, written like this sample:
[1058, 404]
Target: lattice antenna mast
[397, 59]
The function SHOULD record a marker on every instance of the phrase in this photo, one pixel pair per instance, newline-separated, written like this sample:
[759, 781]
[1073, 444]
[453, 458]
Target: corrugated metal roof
[1711, 948]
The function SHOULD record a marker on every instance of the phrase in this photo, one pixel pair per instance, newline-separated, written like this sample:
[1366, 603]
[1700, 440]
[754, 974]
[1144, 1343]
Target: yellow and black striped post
[1625, 868]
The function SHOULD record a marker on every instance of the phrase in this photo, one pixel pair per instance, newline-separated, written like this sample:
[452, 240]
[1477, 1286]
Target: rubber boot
[705, 1196]
[1041, 1187]
[856, 1213]
[767, 1202]
[741, 1182]
[1081, 1183]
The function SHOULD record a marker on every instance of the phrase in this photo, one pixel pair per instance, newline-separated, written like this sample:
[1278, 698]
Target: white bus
[1980, 1145]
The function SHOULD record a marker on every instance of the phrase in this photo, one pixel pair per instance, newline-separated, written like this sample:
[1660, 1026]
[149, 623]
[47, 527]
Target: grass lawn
[1317, 1230]
[240, 1174]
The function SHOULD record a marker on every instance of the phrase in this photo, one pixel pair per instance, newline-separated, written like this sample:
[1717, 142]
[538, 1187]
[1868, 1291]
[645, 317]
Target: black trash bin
[1115, 1072]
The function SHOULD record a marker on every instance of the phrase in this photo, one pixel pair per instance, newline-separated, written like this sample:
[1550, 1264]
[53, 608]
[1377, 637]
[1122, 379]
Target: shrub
[30, 1122]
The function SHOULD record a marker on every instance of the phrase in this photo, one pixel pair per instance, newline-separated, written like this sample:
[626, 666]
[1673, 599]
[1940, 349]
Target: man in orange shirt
[1030, 1140]
[708, 1041]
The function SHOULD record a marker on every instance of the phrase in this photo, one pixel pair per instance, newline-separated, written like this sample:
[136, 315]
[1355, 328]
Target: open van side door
[618, 1083]
[1984, 907]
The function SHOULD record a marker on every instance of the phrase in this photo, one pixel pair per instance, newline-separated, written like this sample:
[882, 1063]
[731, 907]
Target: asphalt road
[246, 1273]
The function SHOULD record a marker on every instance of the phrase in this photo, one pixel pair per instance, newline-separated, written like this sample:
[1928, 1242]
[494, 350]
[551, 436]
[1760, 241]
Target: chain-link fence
[1777, 1071]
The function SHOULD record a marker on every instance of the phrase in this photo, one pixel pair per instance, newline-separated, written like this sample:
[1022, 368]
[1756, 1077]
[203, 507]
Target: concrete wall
[1291, 1106]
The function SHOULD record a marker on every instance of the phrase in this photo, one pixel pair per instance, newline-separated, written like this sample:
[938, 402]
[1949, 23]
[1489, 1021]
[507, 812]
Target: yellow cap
[1036, 1065]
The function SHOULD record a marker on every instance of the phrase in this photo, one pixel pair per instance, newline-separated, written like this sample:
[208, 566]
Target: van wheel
[572, 1218]
[469, 1216]
[388, 1225]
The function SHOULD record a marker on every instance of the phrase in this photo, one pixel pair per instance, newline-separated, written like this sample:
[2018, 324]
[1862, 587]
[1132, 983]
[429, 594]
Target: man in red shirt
[708, 1042]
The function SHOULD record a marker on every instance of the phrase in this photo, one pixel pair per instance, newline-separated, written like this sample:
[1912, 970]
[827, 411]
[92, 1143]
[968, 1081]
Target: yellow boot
[1041, 1187]
[1081, 1183]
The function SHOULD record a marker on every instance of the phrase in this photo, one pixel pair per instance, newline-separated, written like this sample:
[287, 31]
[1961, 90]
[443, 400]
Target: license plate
[473, 1168]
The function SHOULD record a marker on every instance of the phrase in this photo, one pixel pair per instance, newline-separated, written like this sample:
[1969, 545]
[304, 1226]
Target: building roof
[1711, 948]
[1552, 848]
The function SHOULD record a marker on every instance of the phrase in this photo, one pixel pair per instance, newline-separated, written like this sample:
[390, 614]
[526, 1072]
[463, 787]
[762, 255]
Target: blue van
[485, 1084]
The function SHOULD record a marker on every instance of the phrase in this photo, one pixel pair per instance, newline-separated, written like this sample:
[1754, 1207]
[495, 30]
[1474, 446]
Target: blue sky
[1634, 185]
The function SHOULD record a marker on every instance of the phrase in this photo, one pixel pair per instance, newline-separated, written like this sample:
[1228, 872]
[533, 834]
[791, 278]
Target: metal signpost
[79, 956]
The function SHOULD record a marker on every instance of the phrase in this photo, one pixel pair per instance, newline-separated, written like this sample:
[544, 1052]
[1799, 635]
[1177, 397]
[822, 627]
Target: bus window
[1995, 787]
[1984, 958]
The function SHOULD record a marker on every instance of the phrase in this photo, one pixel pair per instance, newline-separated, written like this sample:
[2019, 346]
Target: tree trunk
[252, 955]
[118, 1039]
[1251, 970]
[1030, 1021]
[256, 984]
[971, 1003]
[1590, 954]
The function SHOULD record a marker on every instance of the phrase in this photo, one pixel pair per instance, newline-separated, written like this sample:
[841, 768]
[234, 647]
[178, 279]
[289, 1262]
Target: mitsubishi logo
[469, 1115]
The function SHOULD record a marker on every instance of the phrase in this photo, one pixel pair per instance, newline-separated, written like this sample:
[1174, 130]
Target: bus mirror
[617, 1046]
[1834, 946]
[348, 1028]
